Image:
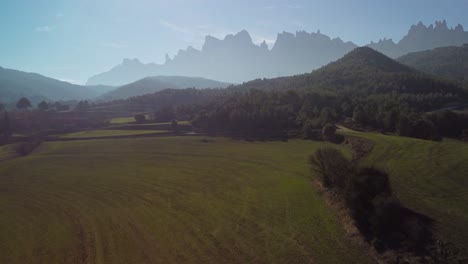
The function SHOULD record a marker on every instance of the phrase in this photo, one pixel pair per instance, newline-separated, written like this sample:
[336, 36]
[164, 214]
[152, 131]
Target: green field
[109, 133]
[429, 177]
[167, 200]
[122, 120]
[8, 151]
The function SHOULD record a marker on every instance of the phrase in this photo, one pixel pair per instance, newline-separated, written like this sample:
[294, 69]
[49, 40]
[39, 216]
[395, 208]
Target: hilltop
[154, 84]
[16, 84]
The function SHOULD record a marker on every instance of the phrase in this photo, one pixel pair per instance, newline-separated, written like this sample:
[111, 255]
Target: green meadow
[109, 133]
[428, 177]
[168, 200]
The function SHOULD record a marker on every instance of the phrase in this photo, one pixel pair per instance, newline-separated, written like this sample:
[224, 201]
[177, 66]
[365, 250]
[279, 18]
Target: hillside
[363, 71]
[16, 84]
[446, 62]
[363, 80]
[428, 177]
[154, 84]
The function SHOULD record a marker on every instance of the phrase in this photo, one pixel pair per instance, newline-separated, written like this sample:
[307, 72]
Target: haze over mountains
[447, 62]
[361, 72]
[16, 84]
[154, 84]
[237, 59]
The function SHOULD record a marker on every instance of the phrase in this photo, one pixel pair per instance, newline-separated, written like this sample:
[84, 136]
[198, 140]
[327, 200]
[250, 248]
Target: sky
[72, 40]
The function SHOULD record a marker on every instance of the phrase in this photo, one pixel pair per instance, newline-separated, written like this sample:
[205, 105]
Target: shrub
[329, 132]
[309, 130]
[175, 126]
[140, 118]
[361, 190]
[25, 148]
[331, 166]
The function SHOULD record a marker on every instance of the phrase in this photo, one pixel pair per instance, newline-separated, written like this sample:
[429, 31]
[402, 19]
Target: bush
[140, 118]
[175, 126]
[362, 188]
[329, 132]
[25, 148]
[309, 130]
[331, 166]
[464, 135]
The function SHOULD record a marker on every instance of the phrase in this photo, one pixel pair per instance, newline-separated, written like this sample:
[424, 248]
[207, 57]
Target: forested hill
[360, 74]
[362, 71]
[157, 83]
[446, 62]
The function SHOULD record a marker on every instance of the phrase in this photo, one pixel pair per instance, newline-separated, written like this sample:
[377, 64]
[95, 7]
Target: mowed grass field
[109, 133]
[122, 120]
[429, 177]
[168, 200]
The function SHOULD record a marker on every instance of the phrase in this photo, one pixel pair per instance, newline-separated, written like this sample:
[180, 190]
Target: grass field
[167, 200]
[429, 177]
[109, 133]
[122, 120]
[8, 151]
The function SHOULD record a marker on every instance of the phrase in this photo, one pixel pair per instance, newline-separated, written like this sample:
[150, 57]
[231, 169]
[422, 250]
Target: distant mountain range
[447, 62]
[16, 84]
[154, 84]
[237, 59]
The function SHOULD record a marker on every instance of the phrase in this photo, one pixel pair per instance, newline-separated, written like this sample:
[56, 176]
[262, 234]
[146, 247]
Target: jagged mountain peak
[235, 58]
[133, 61]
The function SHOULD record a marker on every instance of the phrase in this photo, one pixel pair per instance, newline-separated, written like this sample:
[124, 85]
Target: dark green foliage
[424, 129]
[60, 107]
[447, 62]
[309, 129]
[377, 213]
[5, 125]
[140, 118]
[329, 132]
[332, 167]
[24, 148]
[381, 217]
[464, 135]
[165, 114]
[82, 106]
[403, 126]
[175, 126]
[23, 103]
[417, 127]
[363, 188]
[43, 106]
[449, 123]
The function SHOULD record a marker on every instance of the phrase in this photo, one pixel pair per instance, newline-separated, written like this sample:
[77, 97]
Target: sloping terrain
[150, 85]
[446, 62]
[168, 200]
[429, 177]
[16, 84]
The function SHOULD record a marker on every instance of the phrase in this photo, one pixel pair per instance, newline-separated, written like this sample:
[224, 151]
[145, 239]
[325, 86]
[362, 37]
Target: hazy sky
[74, 39]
